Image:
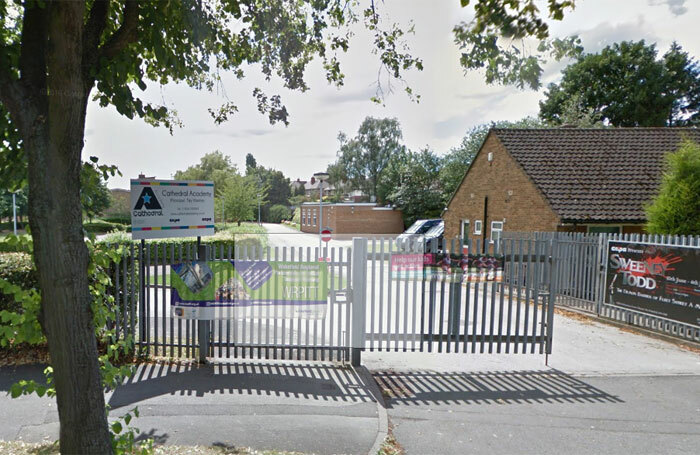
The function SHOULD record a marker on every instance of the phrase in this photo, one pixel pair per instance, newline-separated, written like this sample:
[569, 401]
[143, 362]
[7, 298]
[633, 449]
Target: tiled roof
[595, 174]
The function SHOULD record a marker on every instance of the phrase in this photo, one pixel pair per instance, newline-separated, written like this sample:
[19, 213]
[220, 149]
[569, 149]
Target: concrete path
[528, 412]
[606, 391]
[280, 235]
[309, 408]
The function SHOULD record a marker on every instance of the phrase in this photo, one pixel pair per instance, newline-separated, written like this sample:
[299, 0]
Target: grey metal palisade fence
[581, 279]
[368, 309]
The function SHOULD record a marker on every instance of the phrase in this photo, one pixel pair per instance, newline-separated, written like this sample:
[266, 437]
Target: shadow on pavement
[307, 381]
[11, 374]
[493, 387]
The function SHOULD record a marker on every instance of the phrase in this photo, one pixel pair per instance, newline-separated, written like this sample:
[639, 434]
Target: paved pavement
[537, 412]
[309, 408]
[280, 235]
[605, 391]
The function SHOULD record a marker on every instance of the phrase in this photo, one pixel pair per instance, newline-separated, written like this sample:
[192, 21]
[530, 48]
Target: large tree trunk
[54, 142]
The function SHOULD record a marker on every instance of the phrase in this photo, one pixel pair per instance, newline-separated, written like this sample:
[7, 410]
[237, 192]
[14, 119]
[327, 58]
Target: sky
[451, 102]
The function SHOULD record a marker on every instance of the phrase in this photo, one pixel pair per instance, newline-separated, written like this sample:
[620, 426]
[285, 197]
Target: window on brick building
[477, 227]
[496, 230]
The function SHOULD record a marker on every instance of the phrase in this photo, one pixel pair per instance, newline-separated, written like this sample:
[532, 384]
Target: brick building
[352, 218]
[566, 179]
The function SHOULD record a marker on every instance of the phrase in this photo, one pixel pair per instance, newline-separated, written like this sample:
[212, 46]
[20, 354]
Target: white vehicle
[423, 232]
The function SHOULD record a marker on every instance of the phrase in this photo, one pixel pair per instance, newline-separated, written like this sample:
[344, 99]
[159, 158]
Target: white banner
[171, 208]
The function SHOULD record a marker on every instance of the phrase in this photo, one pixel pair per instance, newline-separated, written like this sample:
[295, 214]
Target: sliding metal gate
[370, 306]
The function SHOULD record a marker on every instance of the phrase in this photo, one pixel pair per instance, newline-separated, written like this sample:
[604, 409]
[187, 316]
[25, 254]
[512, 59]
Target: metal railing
[581, 279]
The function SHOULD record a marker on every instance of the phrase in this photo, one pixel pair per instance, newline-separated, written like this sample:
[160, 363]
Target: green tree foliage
[94, 195]
[627, 85]
[55, 56]
[20, 200]
[456, 162]
[362, 158]
[494, 40]
[417, 192]
[214, 166]
[241, 195]
[676, 208]
[13, 165]
[250, 163]
[276, 186]
[279, 213]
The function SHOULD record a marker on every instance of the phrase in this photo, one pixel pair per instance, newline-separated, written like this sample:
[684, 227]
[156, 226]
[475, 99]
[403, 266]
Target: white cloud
[677, 7]
[451, 102]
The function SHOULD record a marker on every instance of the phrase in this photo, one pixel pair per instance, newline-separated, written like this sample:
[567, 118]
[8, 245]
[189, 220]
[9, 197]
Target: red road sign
[326, 235]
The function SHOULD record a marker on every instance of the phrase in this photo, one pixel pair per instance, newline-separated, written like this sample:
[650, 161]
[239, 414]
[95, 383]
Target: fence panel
[582, 269]
[420, 301]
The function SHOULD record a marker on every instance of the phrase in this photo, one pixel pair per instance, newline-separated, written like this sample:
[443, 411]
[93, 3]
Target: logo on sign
[147, 204]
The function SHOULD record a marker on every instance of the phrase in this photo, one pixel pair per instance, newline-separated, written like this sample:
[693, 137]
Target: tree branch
[23, 88]
[125, 34]
[32, 59]
[12, 93]
[93, 31]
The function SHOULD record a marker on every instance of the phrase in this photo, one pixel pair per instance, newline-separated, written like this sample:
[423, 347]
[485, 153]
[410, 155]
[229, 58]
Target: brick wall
[352, 219]
[511, 196]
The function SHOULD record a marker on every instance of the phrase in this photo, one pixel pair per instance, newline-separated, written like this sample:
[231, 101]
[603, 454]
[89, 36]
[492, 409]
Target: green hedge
[17, 268]
[103, 227]
[119, 219]
[224, 239]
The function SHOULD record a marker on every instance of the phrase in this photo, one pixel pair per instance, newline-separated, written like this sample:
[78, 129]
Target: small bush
[18, 269]
[17, 246]
[278, 213]
[676, 208]
[103, 227]
[124, 219]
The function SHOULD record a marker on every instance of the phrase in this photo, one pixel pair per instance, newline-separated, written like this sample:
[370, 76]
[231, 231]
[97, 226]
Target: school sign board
[659, 280]
[171, 208]
[249, 289]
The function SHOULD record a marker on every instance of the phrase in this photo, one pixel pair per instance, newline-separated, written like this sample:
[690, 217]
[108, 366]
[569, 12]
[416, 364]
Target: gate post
[202, 324]
[553, 277]
[359, 297]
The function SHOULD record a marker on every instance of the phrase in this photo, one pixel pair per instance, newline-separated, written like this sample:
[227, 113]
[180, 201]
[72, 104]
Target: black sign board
[659, 280]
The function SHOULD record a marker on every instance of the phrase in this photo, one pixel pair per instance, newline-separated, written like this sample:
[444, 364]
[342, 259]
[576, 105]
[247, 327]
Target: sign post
[171, 208]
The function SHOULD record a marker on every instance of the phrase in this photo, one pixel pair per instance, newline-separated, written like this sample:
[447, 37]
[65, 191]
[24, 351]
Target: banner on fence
[249, 289]
[465, 268]
[659, 280]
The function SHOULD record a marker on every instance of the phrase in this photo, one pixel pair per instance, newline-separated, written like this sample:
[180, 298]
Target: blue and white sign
[171, 208]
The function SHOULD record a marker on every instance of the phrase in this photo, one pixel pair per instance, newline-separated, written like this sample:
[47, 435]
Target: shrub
[18, 269]
[118, 218]
[279, 212]
[103, 227]
[676, 208]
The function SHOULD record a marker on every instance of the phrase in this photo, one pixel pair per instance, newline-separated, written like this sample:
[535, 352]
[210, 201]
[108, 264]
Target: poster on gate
[249, 289]
[464, 268]
[659, 280]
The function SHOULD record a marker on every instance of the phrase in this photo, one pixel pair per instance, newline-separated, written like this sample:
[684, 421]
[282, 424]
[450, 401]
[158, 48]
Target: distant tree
[456, 162]
[21, 203]
[363, 158]
[279, 213]
[58, 55]
[214, 166]
[676, 208]
[250, 163]
[575, 114]
[277, 187]
[240, 195]
[418, 192]
[626, 85]
[94, 195]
